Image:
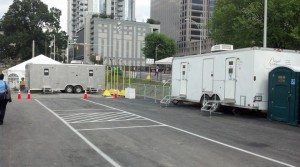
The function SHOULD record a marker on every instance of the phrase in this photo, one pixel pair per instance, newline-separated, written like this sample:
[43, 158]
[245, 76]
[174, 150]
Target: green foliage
[93, 59]
[241, 23]
[24, 22]
[152, 21]
[166, 46]
[103, 16]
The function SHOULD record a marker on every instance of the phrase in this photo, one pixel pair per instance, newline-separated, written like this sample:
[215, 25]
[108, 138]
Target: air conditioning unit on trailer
[221, 47]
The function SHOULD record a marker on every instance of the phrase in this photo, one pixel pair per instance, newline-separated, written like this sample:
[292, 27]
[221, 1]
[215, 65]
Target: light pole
[156, 67]
[50, 30]
[265, 24]
[200, 29]
[54, 46]
[73, 45]
[156, 48]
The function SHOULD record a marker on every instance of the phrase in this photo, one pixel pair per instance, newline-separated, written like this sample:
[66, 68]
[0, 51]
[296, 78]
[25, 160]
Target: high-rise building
[79, 9]
[76, 11]
[186, 22]
[167, 12]
[80, 14]
[119, 42]
[195, 15]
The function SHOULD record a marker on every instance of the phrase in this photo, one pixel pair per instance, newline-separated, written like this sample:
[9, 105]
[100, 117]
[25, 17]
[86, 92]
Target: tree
[241, 23]
[152, 21]
[165, 46]
[93, 59]
[26, 21]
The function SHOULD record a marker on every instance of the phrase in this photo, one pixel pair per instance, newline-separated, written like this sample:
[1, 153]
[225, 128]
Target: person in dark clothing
[4, 97]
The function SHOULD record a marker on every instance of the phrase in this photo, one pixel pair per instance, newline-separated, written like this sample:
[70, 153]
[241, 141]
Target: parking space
[127, 138]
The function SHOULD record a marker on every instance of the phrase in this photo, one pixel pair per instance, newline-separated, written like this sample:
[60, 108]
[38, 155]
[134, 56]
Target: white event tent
[165, 61]
[14, 74]
[165, 64]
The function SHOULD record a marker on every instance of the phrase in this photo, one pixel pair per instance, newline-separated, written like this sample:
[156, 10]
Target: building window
[197, 1]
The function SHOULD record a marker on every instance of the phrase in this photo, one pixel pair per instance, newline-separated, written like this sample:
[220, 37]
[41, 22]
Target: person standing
[22, 85]
[5, 97]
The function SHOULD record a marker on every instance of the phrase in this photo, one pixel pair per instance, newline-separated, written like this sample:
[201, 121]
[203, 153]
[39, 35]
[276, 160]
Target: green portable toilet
[284, 94]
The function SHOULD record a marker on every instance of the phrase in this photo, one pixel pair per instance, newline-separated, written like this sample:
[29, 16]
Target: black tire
[69, 89]
[176, 102]
[78, 89]
[215, 97]
[203, 99]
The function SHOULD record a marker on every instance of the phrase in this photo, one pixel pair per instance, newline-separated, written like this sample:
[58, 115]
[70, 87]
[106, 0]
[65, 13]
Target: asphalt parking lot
[66, 130]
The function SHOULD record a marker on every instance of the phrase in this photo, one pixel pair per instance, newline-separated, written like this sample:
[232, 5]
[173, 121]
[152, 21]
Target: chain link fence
[155, 92]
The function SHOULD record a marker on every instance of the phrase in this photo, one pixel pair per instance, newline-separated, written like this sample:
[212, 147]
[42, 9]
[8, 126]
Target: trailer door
[46, 78]
[183, 79]
[207, 75]
[230, 78]
[91, 79]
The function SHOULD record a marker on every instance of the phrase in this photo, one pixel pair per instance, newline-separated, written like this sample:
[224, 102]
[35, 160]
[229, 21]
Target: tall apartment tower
[195, 15]
[168, 13]
[79, 9]
[76, 11]
[186, 22]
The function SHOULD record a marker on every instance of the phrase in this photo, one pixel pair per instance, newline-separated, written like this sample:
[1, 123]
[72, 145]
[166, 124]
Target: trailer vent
[221, 47]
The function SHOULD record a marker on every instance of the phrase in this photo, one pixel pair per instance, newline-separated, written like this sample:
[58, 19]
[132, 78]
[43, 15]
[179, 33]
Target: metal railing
[150, 91]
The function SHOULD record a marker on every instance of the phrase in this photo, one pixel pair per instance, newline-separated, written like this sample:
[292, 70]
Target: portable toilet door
[283, 103]
[183, 79]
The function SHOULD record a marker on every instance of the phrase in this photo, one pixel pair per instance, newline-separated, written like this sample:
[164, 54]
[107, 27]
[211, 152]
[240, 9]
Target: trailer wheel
[203, 99]
[69, 89]
[215, 97]
[175, 102]
[78, 89]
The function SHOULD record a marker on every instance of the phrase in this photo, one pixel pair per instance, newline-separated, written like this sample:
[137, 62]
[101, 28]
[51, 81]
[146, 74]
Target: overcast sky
[142, 9]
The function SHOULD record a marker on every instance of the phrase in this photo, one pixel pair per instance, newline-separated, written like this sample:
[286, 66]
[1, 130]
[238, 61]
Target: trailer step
[46, 90]
[211, 106]
[166, 100]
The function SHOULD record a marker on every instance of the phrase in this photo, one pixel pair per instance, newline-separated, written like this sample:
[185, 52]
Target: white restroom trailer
[71, 78]
[237, 78]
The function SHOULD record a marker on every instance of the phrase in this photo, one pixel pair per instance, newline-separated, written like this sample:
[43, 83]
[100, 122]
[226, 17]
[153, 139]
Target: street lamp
[156, 48]
[265, 23]
[200, 29]
[73, 45]
[50, 30]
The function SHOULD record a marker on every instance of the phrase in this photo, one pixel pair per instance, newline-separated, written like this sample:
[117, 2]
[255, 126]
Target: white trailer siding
[58, 77]
[236, 76]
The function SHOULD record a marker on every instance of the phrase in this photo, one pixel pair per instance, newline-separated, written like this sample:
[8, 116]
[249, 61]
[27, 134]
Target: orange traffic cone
[28, 95]
[85, 96]
[19, 95]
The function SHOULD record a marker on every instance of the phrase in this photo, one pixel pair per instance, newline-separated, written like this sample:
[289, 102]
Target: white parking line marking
[99, 118]
[108, 121]
[120, 118]
[99, 151]
[90, 116]
[125, 127]
[202, 137]
[83, 115]
[84, 109]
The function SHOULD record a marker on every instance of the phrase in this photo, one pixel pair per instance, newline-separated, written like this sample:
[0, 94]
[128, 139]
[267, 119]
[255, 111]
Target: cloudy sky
[142, 9]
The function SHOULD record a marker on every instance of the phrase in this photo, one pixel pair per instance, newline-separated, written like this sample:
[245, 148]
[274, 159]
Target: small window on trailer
[91, 73]
[46, 72]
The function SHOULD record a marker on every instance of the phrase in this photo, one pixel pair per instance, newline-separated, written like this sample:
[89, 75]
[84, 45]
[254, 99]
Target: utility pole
[54, 47]
[33, 48]
[265, 24]
[67, 52]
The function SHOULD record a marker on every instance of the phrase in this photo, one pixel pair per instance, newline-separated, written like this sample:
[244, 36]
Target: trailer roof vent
[221, 47]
